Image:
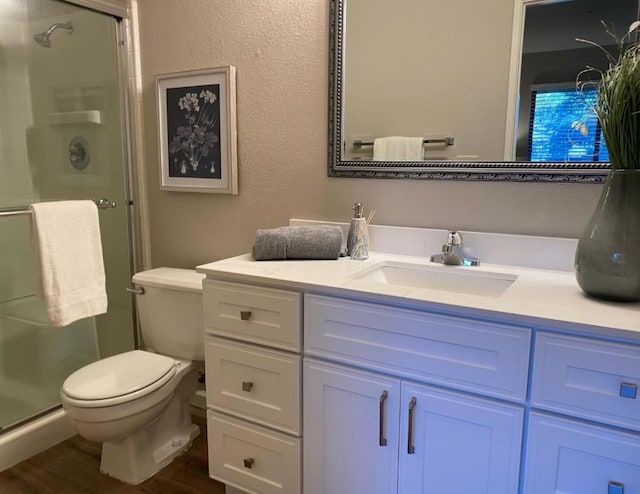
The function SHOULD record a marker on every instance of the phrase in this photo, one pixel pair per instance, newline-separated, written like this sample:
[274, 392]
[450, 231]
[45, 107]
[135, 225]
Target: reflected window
[551, 60]
[563, 126]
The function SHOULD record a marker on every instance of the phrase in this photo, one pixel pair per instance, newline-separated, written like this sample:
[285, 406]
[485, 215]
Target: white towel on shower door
[398, 149]
[68, 248]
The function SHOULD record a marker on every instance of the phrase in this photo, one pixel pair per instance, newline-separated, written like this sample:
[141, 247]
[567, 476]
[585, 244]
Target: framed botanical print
[197, 131]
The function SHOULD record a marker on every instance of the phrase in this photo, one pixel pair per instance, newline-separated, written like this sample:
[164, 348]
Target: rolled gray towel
[298, 242]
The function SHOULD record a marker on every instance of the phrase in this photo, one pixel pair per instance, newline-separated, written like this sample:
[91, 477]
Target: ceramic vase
[607, 263]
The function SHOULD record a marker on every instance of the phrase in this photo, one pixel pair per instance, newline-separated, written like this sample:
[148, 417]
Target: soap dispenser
[358, 237]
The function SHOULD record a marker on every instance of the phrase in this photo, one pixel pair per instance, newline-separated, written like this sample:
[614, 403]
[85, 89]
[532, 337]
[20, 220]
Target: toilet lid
[120, 375]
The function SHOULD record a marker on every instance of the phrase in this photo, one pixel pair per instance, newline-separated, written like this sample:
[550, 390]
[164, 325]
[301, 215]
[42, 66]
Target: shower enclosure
[61, 138]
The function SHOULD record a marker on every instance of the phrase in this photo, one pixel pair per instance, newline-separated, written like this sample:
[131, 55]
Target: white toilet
[138, 403]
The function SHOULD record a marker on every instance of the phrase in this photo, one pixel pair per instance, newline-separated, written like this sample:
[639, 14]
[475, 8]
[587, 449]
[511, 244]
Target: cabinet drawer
[487, 358]
[592, 379]
[578, 458]
[259, 315]
[252, 458]
[257, 384]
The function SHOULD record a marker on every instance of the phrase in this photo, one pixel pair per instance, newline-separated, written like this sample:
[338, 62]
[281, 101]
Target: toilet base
[135, 458]
[129, 460]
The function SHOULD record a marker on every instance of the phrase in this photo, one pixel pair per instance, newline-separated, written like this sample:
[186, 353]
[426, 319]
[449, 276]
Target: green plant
[618, 106]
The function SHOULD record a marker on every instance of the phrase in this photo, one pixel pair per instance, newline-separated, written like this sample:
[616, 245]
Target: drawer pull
[382, 440]
[245, 315]
[412, 415]
[615, 488]
[248, 462]
[628, 390]
[247, 385]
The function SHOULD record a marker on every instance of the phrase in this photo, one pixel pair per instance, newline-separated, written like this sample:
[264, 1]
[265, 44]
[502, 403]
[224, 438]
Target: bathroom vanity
[369, 377]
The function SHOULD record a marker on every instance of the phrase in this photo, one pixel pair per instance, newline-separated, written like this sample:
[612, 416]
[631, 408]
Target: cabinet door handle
[615, 487]
[247, 385]
[382, 440]
[245, 315]
[628, 390]
[248, 462]
[412, 415]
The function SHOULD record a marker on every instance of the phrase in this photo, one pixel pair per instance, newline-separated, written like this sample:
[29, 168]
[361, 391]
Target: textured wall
[280, 51]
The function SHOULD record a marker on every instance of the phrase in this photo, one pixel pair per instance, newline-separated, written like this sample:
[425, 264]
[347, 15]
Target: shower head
[44, 38]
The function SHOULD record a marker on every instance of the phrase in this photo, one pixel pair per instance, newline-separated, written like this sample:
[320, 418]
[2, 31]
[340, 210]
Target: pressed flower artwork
[193, 127]
[197, 130]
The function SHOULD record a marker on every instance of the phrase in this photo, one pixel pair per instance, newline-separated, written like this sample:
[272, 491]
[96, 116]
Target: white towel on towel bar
[66, 241]
[398, 149]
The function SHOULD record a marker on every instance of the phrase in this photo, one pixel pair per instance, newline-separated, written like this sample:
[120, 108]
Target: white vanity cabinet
[253, 375]
[317, 384]
[366, 432]
[594, 380]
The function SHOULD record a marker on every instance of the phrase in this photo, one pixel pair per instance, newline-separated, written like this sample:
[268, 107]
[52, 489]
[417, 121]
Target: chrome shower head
[44, 38]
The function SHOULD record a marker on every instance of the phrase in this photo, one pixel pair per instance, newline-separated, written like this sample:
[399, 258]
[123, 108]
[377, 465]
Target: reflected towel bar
[16, 211]
[447, 141]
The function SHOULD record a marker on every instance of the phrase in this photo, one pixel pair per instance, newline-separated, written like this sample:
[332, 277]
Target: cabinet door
[455, 443]
[350, 431]
[571, 457]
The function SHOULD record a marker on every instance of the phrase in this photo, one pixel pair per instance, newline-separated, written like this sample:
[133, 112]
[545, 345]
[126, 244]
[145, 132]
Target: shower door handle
[104, 203]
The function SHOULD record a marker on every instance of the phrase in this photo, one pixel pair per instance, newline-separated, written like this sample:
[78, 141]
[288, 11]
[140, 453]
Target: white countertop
[538, 298]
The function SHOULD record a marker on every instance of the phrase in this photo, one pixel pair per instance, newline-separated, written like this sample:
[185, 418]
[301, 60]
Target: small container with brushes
[358, 237]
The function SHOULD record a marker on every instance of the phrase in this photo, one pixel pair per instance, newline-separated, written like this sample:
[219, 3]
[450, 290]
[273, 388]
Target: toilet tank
[170, 312]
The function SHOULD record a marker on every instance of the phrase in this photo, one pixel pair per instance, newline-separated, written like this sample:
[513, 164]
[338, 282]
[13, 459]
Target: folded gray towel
[298, 242]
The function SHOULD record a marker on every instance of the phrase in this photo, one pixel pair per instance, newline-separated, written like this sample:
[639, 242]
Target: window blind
[564, 127]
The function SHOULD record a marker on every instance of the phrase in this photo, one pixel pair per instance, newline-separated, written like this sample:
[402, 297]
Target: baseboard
[34, 437]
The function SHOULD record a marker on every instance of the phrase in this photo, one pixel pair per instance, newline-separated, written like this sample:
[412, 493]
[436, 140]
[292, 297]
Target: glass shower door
[60, 138]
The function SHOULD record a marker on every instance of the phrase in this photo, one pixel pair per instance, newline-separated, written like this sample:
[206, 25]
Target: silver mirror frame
[512, 171]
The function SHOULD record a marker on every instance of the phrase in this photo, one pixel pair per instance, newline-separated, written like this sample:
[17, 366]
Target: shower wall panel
[16, 187]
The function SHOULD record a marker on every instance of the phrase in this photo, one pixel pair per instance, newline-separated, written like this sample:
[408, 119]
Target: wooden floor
[74, 467]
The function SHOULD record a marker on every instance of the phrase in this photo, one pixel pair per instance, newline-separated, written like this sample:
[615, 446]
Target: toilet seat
[118, 379]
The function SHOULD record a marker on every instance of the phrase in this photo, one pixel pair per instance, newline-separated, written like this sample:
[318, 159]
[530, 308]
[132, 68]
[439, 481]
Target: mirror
[471, 79]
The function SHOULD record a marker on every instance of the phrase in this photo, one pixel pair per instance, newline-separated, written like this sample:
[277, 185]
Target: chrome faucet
[452, 253]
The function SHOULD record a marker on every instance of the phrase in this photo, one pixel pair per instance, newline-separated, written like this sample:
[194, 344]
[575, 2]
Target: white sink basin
[437, 277]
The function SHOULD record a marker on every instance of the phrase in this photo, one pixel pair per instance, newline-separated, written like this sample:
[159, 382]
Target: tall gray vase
[607, 263]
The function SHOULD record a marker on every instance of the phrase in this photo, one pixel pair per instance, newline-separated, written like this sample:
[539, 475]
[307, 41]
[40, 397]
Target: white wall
[280, 50]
